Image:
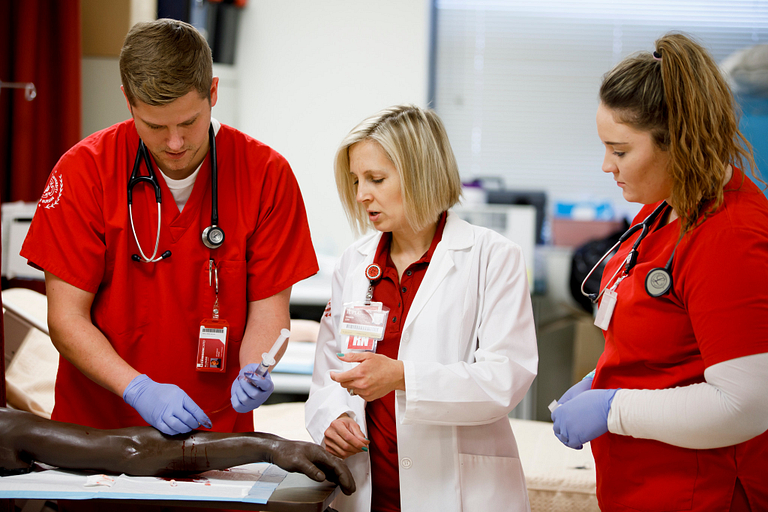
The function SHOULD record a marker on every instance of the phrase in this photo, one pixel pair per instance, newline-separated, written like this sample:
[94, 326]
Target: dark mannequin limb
[144, 451]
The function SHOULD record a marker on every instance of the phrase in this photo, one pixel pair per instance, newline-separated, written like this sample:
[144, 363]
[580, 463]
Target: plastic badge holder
[362, 326]
[212, 346]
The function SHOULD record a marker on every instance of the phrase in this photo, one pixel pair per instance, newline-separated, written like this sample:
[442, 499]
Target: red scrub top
[151, 312]
[717, 310]
[396, 294]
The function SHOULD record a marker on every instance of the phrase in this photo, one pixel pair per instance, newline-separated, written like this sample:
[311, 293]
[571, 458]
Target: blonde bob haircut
[678, 95]
[416, 142]
[164, 60]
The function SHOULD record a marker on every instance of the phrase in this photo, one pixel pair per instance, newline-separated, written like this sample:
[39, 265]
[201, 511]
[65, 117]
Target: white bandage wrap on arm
[729, 408]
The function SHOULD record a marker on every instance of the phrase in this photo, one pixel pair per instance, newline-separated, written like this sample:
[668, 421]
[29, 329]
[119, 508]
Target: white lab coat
[469, 350]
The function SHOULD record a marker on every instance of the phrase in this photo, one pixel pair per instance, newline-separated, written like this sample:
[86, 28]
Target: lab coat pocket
[492, 483]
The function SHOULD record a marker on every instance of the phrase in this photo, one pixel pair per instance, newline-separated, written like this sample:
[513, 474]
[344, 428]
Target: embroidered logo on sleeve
[53, 191]
[327, 312]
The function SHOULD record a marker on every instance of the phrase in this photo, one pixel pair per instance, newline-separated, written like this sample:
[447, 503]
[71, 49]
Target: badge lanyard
[364, 324]
[214, 332]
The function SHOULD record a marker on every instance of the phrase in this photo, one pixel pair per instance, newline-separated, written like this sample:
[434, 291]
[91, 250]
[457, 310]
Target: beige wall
[306, 72]
[309, 71]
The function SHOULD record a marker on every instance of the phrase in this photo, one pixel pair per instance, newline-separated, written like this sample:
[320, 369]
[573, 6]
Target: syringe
[268, 358]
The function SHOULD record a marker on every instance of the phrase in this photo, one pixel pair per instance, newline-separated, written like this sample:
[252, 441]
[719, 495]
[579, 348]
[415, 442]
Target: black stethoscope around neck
[213, 235]
[658, 281]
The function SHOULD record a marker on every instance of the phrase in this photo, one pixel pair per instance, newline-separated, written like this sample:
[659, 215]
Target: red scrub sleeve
[280, 251]
[66, 237]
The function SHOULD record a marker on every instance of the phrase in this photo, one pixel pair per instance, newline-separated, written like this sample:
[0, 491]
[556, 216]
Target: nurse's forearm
[728, 409]
[266, 318]
[79, 341]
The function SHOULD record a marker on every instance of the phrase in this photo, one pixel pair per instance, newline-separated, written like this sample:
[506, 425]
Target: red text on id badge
[359, 344]
[212, 346]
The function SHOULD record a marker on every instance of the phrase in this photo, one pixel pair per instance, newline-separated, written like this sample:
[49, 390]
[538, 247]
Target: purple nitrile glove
[583, 418]
[164, 406]
[575, 390]
[250, 391]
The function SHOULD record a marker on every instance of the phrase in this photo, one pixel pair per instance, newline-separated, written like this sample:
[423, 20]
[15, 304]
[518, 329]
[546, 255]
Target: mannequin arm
[25, 438]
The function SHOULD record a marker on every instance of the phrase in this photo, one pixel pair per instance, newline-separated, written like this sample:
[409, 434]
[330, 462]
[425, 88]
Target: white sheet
[250, 483]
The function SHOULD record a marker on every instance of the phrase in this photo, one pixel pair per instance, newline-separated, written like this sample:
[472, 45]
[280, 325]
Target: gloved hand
[575, 390]
[164, 406]
[250, 392]
[583, 418]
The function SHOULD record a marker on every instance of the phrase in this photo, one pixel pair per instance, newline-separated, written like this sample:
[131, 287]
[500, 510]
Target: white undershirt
[729, 408]
[182, 189]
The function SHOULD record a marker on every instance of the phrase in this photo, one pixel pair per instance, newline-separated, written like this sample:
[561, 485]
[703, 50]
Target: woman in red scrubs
[676, 412]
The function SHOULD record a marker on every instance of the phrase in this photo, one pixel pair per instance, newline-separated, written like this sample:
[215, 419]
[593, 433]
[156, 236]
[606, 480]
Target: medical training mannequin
[143, 451]
[676, 412]
[136, 287]
[422, 422]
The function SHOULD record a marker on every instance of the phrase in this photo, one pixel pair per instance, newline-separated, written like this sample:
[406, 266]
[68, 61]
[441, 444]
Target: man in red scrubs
[133, 292]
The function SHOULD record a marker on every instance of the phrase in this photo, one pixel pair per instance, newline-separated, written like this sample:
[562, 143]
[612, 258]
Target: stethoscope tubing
[151, 178]
[214, 178]
[631, 258]
[144, 258]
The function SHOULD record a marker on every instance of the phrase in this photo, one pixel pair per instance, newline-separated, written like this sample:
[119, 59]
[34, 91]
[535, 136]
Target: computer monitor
[535, 198]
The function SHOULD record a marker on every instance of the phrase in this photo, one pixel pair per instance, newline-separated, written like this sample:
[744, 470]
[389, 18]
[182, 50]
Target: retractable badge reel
[214, 333]
[363, 323]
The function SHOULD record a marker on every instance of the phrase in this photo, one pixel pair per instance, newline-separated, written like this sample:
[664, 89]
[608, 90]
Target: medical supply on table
[213, 235]
[268, 358]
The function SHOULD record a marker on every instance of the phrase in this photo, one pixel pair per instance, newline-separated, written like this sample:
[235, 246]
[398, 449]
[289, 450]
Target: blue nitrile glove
[583, 418]
[250, 392]
[164, 406]
[575, 390]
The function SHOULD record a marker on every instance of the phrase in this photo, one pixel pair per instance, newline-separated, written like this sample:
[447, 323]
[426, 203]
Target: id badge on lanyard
[607, 305]
[364, 323]
[213, 334]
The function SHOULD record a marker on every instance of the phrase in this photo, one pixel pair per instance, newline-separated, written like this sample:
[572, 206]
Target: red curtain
[39, 43]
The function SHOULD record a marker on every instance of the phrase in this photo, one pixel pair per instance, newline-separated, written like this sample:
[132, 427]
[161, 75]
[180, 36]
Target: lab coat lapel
[457, 235]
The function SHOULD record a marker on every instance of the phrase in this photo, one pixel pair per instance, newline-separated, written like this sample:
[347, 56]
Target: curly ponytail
[682, 99]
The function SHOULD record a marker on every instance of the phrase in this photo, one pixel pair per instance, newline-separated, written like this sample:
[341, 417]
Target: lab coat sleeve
[501, 360]
[327, 399]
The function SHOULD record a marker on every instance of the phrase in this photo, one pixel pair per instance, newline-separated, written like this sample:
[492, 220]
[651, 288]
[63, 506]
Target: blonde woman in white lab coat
[422, 423]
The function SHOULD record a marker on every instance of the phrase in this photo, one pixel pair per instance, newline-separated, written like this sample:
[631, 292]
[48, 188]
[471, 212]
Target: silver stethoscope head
[213, 237]
[658, 281]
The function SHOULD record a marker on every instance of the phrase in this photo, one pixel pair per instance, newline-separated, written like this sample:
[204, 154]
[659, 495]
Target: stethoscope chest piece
[213, 237]
[658, 282]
